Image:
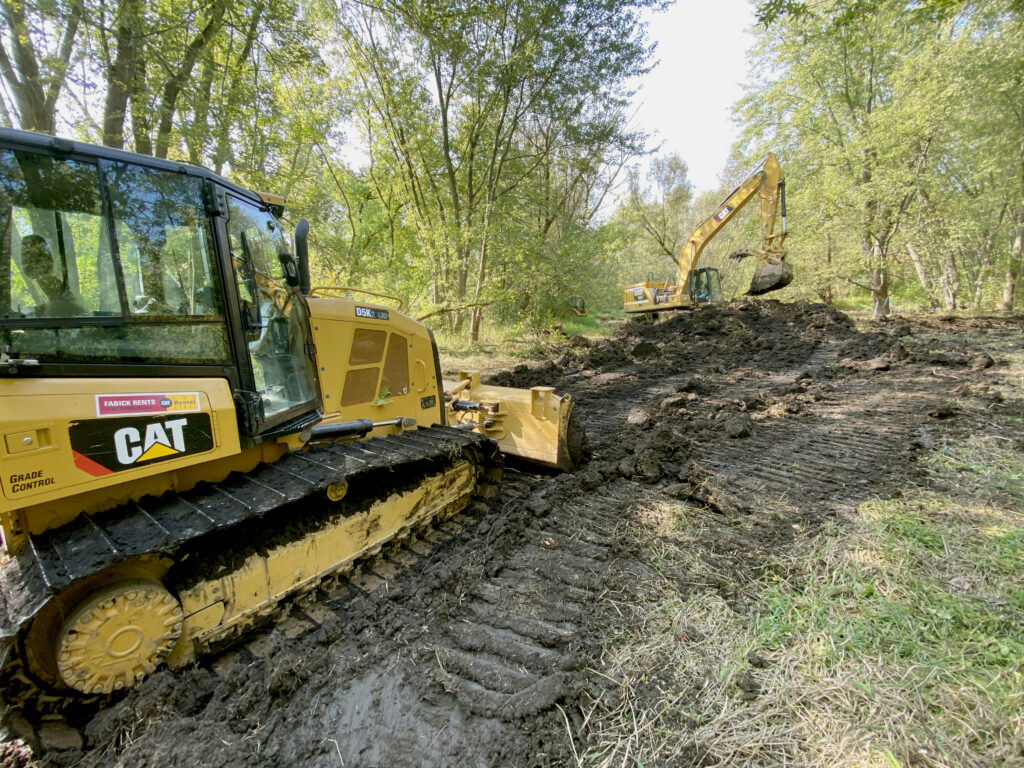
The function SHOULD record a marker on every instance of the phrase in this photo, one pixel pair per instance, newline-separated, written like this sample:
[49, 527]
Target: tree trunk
[922, 276]
[826, 293]
[173, 87]
[199, 131]
[122, 72]
[950, 281]
[1013, 268]
[35, 90]
[474, 325]
[881, 303]
[142, 116]
[462, 278]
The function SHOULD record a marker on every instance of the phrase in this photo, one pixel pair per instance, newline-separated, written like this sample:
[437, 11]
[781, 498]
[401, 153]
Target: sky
[686, 100]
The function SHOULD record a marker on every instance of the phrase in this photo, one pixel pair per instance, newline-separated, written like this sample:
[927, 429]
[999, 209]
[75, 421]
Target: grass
[894, 640]
[503, 347]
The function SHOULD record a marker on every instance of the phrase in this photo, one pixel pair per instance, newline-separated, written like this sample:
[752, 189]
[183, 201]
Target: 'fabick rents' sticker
[147, 403]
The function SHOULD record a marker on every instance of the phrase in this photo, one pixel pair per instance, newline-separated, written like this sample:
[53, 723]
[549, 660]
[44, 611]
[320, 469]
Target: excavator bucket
[770, 276]
[534, 424]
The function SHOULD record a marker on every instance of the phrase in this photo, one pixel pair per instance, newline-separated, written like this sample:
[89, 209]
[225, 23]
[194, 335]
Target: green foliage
[494, 132]
[902, 139]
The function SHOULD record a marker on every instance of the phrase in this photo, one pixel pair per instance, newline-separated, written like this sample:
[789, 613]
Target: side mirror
[252, 320]
[302, 254]
[291, 268]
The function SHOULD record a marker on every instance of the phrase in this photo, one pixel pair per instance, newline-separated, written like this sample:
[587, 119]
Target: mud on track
[471, 643]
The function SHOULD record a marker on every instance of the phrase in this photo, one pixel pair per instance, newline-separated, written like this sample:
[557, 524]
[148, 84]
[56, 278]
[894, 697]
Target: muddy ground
[475, 643]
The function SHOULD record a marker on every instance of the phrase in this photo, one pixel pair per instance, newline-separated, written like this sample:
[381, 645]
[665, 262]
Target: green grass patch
[895, 639]
[917, 616]
[591, 325]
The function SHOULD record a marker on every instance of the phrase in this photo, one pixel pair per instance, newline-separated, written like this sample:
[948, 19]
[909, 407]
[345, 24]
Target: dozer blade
[770, 276]
[534, 424]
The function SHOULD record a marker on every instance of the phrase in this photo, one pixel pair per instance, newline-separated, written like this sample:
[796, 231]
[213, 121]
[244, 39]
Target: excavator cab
[706, 286]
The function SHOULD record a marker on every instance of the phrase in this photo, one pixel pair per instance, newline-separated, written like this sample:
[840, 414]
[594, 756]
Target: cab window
[107, 262]
[163, 236]
[54, 239]
[273, 321]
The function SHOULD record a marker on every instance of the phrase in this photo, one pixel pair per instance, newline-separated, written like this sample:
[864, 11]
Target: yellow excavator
[696, 285]
[190, 432]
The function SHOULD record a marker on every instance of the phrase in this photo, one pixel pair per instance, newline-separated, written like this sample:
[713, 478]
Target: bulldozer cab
[706, 286]
[119, 266]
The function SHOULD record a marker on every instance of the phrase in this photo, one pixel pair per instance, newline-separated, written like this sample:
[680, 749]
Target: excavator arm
[772, 272]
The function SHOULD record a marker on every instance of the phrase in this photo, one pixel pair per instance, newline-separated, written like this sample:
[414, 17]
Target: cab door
[275, 319]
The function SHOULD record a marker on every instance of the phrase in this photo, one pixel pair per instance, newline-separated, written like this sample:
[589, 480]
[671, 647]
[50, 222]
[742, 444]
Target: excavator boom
[692, 285]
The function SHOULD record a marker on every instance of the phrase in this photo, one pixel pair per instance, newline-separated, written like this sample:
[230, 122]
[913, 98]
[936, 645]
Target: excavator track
[196, 537]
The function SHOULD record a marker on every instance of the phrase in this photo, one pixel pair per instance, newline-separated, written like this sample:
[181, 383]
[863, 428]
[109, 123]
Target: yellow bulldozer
[191, 432]
[697, 285]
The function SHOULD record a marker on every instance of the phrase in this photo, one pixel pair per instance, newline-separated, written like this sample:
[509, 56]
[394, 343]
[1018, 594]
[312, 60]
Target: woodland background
[479, 155]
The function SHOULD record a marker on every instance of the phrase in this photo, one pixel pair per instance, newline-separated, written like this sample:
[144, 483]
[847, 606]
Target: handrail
[334, 290]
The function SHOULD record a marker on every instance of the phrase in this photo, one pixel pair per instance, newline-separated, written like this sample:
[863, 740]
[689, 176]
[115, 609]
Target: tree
[661, 209]
[894, 117]
[36, 50]
[481, 115]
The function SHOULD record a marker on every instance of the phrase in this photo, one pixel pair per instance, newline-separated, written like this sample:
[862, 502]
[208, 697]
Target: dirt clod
[58, 735]
[945, 411]
[649, 466]
[644, 349]
[757, 661]
[638, 417]
[739, 426]
[746, 682]
[981, 362]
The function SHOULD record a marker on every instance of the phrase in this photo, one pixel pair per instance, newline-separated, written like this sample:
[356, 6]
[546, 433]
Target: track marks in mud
[506, 653]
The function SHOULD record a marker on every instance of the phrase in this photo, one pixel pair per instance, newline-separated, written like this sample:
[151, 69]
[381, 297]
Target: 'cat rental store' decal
[116, 443]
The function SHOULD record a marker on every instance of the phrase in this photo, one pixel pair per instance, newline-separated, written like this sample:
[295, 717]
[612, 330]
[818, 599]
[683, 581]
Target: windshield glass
[106, 261]
[274, 321]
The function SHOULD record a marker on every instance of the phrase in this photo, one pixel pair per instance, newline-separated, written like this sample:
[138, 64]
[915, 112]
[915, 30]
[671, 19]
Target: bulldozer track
[247, 508]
